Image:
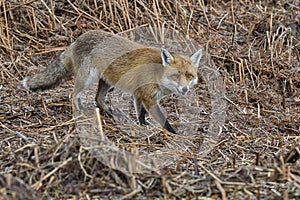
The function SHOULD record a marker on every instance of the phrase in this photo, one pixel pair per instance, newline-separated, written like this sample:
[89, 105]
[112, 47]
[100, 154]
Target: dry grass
[255, 46]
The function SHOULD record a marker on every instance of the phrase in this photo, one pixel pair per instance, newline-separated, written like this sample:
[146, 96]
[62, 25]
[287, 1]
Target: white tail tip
[24, 83]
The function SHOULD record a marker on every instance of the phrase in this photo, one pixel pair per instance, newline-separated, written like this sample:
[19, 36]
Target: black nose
[184, 89]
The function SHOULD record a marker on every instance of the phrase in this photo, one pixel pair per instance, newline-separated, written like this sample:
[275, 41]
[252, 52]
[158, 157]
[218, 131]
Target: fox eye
[175, 76]
[189, 76]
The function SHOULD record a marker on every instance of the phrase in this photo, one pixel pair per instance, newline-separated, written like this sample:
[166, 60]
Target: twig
[219, 186]
[81, 165]
[131, 194]
[39, 184]
[17, 133]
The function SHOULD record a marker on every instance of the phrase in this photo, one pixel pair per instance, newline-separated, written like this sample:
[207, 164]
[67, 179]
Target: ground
[253, 48]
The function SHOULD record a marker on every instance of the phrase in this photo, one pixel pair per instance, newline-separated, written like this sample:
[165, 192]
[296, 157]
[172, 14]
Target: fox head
[180, 72]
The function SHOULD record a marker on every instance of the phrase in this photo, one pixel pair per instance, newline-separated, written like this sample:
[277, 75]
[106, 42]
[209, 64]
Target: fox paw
[143, 123]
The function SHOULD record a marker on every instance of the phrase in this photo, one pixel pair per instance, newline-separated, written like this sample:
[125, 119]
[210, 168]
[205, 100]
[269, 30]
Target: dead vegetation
[254, 44]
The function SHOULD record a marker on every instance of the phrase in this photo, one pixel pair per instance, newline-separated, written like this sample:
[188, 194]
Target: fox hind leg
[80, 86]
[84, 78]
[103, 87]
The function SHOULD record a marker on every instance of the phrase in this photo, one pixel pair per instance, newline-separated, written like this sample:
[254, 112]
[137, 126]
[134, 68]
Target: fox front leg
[140, 111]
[156, 112]
[158, 115]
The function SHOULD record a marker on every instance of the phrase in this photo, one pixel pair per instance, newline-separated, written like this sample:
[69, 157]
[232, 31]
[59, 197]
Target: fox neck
[163, 91]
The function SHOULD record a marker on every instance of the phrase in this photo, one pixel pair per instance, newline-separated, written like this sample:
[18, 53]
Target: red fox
[148, 73]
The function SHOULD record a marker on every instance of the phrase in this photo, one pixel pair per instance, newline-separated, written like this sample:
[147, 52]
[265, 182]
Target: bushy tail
[56, 73]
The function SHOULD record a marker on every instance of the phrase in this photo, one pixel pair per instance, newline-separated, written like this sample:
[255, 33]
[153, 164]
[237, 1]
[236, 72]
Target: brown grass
[255, 46]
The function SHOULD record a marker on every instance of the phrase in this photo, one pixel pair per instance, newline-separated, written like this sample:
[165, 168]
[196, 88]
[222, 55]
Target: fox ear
[166, 57]
[195, 58]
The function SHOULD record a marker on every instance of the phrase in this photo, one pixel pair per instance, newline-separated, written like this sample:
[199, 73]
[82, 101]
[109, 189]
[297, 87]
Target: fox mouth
[177, 89]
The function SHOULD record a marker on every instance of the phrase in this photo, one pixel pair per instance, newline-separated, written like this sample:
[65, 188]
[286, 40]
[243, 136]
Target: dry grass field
[255, 47]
